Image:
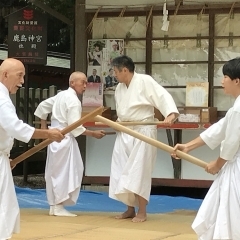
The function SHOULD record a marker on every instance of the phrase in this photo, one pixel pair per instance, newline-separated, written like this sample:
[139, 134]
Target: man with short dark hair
[218, 216]
[133, 160]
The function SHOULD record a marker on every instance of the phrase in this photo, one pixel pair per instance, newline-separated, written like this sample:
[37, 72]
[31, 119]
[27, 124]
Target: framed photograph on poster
[94, 74]
[115, 48]
[95, 52]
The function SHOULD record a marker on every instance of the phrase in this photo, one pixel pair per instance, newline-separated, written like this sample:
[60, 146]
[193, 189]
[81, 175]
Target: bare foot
[127, 214]
[140, 218]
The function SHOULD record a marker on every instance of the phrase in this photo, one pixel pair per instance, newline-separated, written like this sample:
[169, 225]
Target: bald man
[12, 74]
[64, 167]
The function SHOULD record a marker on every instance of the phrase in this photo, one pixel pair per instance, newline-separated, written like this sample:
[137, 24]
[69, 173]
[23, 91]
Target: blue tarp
[89, 201]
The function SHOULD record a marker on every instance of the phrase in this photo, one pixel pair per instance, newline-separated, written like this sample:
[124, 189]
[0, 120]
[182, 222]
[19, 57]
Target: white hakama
[9, 209]
[218, 216]
[133, 160]
[64, 166]
[132, 165]
[10, 127]
[64, 171]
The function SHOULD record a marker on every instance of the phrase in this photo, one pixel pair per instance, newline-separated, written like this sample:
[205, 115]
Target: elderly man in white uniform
[12, 74]
[64, 167]
[133, 160]
[218, 216]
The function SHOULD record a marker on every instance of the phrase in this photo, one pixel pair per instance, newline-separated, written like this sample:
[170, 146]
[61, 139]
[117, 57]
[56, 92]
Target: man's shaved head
[12, 72]
[77, 75]
[78, 82]
[10, 63]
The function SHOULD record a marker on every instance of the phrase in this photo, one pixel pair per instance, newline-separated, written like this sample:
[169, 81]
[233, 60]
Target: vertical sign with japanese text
[27, 36]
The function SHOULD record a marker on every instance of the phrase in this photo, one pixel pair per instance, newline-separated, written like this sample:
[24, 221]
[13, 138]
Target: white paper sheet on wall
[197, 94]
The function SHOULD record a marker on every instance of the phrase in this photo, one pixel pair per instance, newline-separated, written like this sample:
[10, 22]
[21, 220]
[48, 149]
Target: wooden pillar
[26, 118]
[211, 57]
[148, 67]
[80, 53]
[80, 37]
[72, 48]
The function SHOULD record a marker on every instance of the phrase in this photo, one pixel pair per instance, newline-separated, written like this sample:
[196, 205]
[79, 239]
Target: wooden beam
[51, 11]
[158, 8]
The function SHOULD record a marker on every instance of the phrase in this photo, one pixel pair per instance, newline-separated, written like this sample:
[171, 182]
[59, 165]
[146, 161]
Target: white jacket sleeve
[215, 134]
[44, 108]
[231, 143]
[15, 127]
[161, 98]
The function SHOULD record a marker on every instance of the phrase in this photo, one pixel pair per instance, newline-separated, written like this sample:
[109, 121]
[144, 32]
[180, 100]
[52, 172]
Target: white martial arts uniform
[218, 216]
[10, 127]
[64, 166]
[133, 160]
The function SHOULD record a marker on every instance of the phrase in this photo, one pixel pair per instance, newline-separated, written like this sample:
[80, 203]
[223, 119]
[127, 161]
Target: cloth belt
[57, 124]
[138, 127]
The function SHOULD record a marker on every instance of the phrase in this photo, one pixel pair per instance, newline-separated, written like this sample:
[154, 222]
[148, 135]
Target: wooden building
[180, 42]
[201, 36]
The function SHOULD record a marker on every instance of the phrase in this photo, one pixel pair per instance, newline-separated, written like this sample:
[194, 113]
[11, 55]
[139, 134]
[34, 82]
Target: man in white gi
[218, 216]
[64, 167]
[133, 160]
[12, 74]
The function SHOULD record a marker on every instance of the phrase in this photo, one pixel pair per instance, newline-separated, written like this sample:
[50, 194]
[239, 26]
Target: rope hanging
[149, 17]
[201, 13]
[90, 26]
[122, 12]
[177, 8]
[231, 10]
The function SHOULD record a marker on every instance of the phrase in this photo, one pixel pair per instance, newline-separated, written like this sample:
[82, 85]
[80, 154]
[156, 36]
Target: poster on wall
[197, 94]
[100, 54]
[93, 96]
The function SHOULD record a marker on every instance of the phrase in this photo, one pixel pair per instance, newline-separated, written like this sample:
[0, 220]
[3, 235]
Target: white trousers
[9, 209]
[64, 171]
[132, 165]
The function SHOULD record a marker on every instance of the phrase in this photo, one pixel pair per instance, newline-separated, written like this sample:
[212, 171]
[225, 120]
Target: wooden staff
[151, 141]
[110, 133]
[133, 123]
[66, 130]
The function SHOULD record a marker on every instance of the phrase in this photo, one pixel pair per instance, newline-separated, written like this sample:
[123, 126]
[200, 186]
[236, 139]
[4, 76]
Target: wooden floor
[37, 225]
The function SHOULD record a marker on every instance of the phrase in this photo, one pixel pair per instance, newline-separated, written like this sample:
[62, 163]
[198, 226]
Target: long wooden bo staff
[151, 141]
[66, 130]
[134, 123]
